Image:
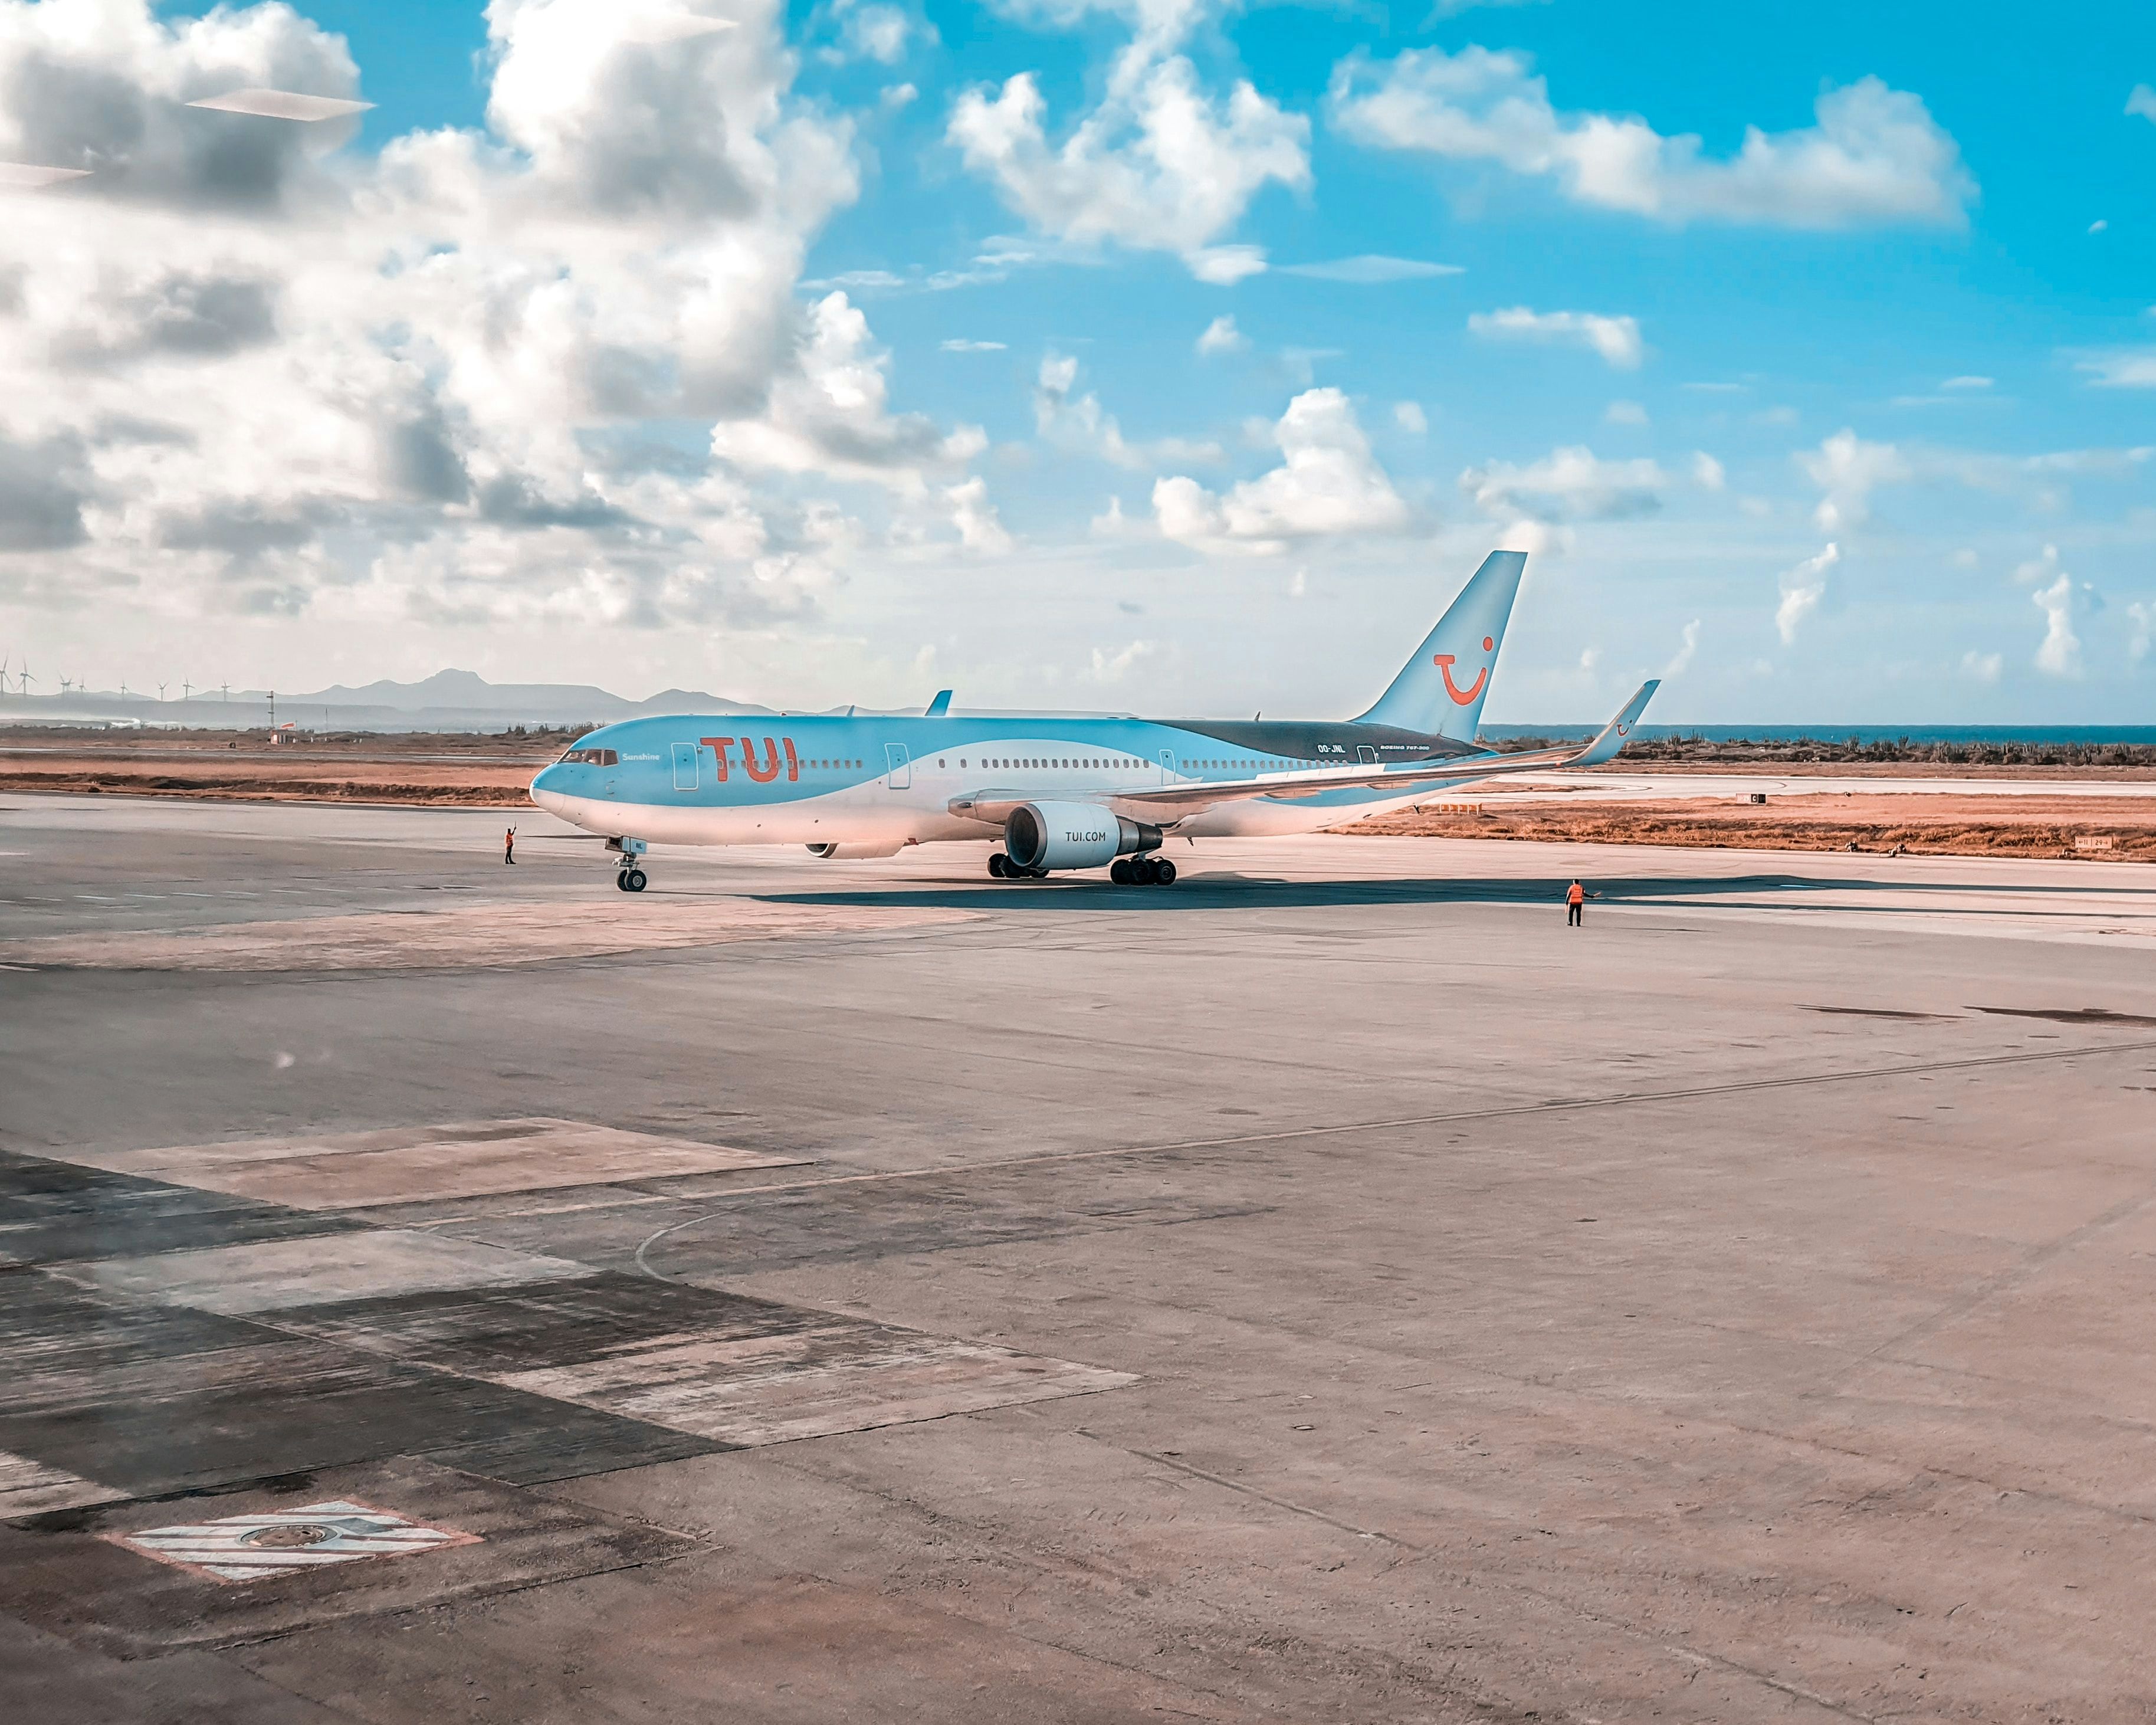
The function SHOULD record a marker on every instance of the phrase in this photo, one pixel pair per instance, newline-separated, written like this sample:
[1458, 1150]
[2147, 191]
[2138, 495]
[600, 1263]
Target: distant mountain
[463, 691]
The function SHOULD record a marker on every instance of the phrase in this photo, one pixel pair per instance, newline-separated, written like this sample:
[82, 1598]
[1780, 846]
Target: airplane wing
[1162, 804]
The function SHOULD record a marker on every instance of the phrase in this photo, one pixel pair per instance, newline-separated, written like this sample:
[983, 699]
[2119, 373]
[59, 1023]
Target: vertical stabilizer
[1441, 690]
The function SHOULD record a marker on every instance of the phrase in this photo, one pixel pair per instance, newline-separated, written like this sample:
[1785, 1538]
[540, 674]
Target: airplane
[1060, 793]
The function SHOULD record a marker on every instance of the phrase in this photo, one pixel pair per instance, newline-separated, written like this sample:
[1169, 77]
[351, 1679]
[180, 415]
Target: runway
[1328, 1289]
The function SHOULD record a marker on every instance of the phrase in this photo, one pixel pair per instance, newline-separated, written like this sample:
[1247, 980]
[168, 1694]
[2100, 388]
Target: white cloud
[873, 33]
[1983, 667]
[1707, 473]
[1329, 485]
[1969, 382]
[247, 379]
[1113, 667]
[1848, 470]
[2059, 652]
[2142, 100]
[1567, 484]
[2144, 621]
[830, 415]
[1158, 166]
[2098, 225]
[1371, 270]
[2120, 367]
[979, 528]
[1221, 336]
[960, 344]
[1687, 646]
[1409, 417]
[1624, 413]
[1079, 422]
[1875, 156]
[1616, 339]
[1803, 587]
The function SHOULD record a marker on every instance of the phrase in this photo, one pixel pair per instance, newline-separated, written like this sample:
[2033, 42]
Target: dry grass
[1920, 824]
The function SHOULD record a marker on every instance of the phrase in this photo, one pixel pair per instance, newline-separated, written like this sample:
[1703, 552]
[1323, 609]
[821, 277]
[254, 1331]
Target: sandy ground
[2036, 825]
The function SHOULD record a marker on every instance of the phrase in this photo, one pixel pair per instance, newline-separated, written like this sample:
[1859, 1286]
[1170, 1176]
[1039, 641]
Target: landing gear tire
[1163, 872]
[631, 881]
[1119, 872]
[999, 865]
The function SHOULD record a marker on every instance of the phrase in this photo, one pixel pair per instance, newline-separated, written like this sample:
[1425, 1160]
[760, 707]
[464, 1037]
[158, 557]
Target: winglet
[940, 705]
[1615, 734]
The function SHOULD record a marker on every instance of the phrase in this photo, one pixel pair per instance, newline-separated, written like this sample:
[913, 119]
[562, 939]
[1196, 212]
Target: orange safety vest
[1576, 895]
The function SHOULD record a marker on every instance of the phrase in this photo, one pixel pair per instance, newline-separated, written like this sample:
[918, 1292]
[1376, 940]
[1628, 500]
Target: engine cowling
[1073, 835]
[842, 851]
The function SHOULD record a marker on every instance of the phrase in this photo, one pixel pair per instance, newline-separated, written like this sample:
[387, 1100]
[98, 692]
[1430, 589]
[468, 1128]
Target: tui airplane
[1056, 792]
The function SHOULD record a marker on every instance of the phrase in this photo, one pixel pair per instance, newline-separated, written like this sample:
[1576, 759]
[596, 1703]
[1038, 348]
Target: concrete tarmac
[1327, 1289]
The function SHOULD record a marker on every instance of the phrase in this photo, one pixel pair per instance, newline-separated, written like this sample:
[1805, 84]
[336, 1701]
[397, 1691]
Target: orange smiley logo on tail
[1463, 697]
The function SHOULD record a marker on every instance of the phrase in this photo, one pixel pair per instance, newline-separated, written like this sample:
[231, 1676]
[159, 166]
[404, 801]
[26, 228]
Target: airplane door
[898, 770]
[685, 770]
[1167, 765]
[1366, 755]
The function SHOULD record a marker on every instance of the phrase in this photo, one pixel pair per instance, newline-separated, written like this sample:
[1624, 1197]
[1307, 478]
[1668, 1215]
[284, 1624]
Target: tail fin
[1441, 690]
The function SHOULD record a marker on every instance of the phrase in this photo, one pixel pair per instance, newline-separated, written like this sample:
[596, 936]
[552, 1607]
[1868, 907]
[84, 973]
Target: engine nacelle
[1073, 835]
[841, 851]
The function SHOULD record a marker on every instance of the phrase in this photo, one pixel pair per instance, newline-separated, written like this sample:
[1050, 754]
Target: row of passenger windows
[812, 765]
[1086, 762]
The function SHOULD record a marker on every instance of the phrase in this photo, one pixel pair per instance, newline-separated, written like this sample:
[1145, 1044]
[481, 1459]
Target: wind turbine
[162, 688]
[187, 690]
[23, 672]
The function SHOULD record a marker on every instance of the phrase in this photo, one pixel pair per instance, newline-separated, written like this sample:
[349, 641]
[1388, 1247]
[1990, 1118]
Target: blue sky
[1850, 423]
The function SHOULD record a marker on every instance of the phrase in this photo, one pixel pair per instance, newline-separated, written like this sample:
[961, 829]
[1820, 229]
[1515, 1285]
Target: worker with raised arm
[1575, 902]
[509, 845]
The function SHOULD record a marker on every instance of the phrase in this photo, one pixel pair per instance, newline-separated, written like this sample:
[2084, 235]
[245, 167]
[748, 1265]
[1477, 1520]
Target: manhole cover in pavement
[289, 1535]
[277, 1541]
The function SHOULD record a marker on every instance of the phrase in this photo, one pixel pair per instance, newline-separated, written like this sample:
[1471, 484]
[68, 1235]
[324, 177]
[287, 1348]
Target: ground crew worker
[509, 845]
[1575, 901]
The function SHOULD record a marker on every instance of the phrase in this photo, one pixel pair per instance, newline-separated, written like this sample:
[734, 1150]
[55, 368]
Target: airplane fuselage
[863, 781]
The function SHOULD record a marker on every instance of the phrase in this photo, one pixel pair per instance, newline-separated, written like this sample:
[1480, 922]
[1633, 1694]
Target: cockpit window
[591, 757]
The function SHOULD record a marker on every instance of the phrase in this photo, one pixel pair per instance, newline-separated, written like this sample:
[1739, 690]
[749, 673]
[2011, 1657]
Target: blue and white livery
[1056, 792]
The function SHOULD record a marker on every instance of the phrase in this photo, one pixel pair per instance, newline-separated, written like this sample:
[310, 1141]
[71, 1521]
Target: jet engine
[841, 851]
[1073, 835]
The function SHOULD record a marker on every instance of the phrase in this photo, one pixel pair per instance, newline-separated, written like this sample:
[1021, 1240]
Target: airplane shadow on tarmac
[1232, 892]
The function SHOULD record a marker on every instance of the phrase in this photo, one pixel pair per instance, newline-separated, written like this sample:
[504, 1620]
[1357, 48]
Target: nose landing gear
[629, 869]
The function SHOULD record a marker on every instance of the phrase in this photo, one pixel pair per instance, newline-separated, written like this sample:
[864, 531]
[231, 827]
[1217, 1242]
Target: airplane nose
[545, 790]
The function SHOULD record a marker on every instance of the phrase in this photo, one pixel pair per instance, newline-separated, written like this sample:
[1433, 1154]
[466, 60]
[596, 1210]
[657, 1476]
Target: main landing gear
[629, 879]
[1151, 870]
[1147, 871]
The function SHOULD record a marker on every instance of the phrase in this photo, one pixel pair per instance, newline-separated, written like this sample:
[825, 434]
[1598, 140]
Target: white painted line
[248, 1548]
[29, 1488]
